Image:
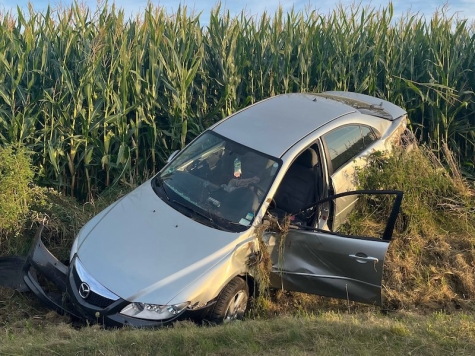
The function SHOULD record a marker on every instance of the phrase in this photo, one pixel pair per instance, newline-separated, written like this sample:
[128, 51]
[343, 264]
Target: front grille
[93, 297]
[98, 300]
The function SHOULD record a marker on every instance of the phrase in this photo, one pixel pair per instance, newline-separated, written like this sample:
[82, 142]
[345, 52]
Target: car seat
[298, 188]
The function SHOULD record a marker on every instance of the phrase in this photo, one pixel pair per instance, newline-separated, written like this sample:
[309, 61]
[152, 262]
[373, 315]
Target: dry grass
[431, 260]
[62, 216]
[262, 268]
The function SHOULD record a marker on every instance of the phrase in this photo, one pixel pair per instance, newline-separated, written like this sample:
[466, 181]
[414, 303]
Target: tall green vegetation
[15, 176]
[98, 97]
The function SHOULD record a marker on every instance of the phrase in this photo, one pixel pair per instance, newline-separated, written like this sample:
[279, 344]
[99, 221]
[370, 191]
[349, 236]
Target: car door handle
[363, 258]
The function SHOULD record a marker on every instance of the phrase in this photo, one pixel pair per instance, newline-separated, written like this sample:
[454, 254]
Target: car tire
[232, 302]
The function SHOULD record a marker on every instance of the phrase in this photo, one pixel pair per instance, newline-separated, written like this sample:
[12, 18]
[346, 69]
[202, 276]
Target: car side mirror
[172, 155]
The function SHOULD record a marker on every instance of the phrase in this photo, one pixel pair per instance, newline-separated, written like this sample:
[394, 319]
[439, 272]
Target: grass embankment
[325, 334]
[429, 267]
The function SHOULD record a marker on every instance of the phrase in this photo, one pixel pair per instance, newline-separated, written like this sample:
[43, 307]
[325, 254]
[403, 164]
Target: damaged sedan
[181, 245]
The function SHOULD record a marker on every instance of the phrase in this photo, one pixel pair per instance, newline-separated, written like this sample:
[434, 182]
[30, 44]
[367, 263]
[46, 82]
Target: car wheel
[232, 302]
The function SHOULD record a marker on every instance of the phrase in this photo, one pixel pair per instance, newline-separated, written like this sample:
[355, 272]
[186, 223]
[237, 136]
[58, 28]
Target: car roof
[274, 125]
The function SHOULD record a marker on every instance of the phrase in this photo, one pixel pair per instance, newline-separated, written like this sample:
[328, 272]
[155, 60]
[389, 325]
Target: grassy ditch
[327, 333]
[428, 277]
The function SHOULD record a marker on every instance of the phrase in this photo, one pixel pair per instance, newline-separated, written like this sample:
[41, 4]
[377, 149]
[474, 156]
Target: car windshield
[217, 181]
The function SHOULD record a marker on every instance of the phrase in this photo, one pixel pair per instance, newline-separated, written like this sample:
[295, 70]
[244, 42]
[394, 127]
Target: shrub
[15, 175]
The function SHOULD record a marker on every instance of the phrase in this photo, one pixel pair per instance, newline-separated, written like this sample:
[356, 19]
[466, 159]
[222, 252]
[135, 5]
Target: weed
[261, 269]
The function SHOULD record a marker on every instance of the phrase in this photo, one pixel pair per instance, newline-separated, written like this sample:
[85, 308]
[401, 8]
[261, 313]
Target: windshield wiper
[196, 212]
[160, 182]
[189, 208]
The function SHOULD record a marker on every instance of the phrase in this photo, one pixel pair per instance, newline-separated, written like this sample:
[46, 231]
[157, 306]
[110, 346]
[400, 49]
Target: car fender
[208, 285]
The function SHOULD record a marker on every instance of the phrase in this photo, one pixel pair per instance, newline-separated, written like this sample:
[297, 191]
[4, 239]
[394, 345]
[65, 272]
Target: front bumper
[42, 266]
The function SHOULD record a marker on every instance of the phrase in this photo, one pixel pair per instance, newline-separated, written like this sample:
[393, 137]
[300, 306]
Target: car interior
[300, 187]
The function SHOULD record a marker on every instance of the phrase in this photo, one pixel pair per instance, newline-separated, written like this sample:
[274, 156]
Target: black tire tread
[236, 284]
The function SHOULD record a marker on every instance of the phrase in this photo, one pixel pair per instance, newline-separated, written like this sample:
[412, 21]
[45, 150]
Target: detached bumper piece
[75, 293]
[41, 264]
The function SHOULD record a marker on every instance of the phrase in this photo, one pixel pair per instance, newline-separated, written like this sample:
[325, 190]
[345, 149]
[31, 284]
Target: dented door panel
[329, 265]
[334, 265]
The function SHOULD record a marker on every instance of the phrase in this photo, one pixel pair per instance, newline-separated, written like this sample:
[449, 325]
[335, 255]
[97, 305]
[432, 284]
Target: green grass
[326, 333]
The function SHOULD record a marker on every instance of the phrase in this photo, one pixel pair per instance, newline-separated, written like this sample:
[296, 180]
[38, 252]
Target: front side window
[217, 181]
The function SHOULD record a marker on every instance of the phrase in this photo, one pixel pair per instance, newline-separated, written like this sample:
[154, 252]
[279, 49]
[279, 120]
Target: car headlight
[154, 311]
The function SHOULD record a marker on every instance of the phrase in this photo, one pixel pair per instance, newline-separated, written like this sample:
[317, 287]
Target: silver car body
[141, 249]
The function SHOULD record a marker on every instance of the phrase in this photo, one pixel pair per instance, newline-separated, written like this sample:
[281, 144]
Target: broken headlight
[154, 311]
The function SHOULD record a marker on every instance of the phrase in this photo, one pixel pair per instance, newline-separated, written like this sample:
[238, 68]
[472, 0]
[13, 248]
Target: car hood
[141, 245]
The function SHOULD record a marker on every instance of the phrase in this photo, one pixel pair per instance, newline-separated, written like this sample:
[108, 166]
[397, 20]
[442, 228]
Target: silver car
[182, 244]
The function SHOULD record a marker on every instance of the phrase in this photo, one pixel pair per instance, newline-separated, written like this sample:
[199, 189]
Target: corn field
[99, 98]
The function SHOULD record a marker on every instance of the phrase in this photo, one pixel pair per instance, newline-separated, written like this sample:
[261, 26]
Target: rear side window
[345, 143]
[368, 136]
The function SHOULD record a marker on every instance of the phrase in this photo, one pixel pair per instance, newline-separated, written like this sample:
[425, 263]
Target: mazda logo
[84, 290]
